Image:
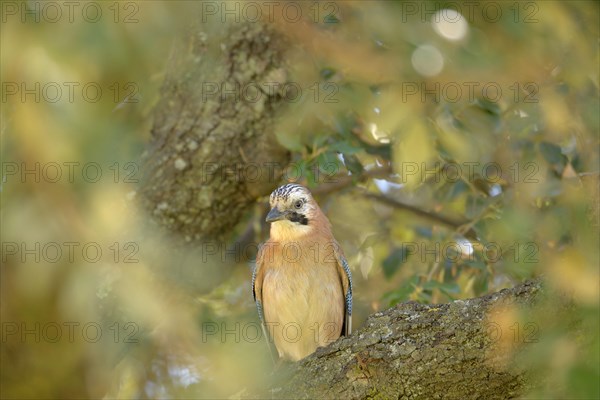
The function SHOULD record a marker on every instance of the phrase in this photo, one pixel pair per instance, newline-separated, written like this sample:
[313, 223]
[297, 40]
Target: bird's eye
[298, 204]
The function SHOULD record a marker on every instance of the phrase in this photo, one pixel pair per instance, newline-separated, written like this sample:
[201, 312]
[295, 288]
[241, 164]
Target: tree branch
[344, 181]
[450, 351]
[454, 224]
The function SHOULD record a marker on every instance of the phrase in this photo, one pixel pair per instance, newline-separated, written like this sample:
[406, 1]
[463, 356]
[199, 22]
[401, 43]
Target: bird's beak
[275, 215]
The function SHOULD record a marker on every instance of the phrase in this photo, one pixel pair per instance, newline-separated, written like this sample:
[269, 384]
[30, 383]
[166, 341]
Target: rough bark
[417, 351]
[212, 149]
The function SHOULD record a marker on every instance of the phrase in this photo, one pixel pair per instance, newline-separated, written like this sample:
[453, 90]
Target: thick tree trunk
[213, 151]
[460, 350]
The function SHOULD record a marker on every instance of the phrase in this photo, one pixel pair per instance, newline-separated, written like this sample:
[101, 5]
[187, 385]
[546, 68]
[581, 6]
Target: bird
[301, 283]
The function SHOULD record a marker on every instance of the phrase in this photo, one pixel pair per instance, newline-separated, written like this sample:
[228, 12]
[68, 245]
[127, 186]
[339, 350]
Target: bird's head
[294, 212]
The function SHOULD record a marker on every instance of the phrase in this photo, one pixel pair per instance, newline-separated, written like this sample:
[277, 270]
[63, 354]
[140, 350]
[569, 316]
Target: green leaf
[458, 188]
[396, 258]
[346, 147]
[370, 241]
[402, 293]
[449, 288]
[481, 284]
[424, 231]
[353, 164]
[331, 19]
[384, 150]
[327, 73]
[577, 163]
[552, 153]
[478, 264]
[320, 140]
[327, 159]
[488, 106]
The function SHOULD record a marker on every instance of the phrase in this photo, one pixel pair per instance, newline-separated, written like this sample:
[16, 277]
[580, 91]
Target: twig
[470, 233]
[342, 181]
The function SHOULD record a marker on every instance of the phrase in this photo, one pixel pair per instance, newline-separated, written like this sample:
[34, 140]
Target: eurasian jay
[301, 283]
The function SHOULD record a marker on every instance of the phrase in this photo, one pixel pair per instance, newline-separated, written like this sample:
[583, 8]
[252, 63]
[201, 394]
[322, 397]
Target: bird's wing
[257, 282]
[346, 278]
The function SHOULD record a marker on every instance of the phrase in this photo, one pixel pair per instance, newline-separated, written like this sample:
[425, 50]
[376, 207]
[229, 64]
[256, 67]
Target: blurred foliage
[491, 121]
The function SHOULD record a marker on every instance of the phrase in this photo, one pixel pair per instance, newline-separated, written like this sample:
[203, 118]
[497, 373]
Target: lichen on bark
[419, 351]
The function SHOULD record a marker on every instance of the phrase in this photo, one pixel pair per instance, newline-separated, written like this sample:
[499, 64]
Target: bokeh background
[483, 116]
